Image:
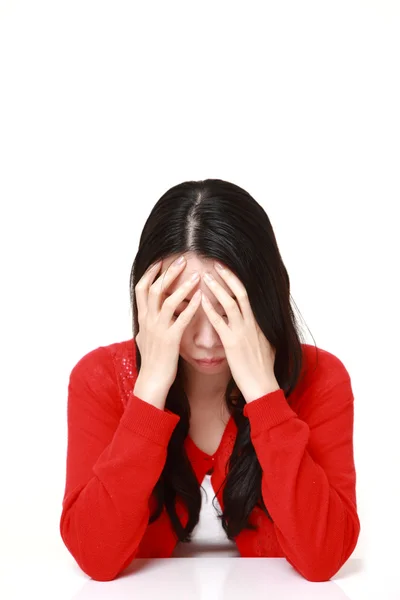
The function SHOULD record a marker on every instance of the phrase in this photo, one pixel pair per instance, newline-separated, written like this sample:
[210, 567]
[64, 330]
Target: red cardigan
[117, 447]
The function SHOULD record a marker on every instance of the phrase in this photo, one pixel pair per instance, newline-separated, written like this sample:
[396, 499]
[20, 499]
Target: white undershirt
[208, 537]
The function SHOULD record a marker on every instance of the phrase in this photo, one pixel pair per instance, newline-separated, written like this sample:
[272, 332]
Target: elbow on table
[321, 568]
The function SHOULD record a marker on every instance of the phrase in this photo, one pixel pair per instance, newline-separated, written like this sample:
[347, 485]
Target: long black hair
[219, 220]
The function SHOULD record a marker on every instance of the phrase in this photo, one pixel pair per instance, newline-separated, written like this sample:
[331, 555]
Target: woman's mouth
[210, 363]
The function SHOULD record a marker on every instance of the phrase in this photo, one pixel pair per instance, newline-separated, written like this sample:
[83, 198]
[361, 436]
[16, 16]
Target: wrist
[147, 390]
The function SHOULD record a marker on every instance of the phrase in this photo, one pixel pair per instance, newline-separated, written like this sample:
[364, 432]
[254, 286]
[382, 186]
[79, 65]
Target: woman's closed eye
[177, 315]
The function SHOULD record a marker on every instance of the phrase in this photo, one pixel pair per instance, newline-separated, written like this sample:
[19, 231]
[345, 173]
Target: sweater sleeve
[308, 473]
[114, 459]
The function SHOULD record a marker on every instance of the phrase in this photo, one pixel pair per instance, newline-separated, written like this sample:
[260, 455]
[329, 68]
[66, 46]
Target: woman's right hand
[159, 336]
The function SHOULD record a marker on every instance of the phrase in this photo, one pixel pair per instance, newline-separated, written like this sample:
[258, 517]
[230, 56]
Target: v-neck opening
[211, 456]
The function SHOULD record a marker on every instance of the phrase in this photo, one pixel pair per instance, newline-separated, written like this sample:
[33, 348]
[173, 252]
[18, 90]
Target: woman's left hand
[250, 356]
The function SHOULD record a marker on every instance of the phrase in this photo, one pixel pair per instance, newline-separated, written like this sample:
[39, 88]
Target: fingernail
[179, 260]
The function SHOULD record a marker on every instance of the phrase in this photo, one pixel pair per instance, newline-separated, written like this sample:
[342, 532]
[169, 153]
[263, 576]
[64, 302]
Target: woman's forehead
[195, 264]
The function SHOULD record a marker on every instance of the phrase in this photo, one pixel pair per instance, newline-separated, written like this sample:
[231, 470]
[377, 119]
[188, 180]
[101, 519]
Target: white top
[208, 536]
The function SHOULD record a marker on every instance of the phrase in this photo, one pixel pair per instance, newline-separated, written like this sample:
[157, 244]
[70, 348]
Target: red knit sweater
[117, 448]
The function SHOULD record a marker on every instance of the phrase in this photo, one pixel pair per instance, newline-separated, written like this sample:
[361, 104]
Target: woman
[268, 430]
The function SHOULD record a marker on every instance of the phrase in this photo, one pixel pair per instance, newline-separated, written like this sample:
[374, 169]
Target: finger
[237, 287]
[186, 316]
[142, 289]
[173, 301]
[229, 303]
[165, 279]
[216, 319]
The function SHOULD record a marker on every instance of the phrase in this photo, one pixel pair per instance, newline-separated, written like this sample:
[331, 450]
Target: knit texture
[117, 448]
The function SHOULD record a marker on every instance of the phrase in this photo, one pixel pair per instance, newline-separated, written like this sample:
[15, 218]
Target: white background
[103, 107]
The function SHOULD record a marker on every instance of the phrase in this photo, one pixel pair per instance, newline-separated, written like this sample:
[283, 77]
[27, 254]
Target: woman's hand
[250, 356]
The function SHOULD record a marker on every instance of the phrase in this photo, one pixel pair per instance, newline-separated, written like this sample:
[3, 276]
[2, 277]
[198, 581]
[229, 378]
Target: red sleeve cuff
[267, 411]
[149, 421]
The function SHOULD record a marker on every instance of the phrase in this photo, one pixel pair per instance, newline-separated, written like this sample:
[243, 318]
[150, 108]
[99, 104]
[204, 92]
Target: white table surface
[208, 578]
